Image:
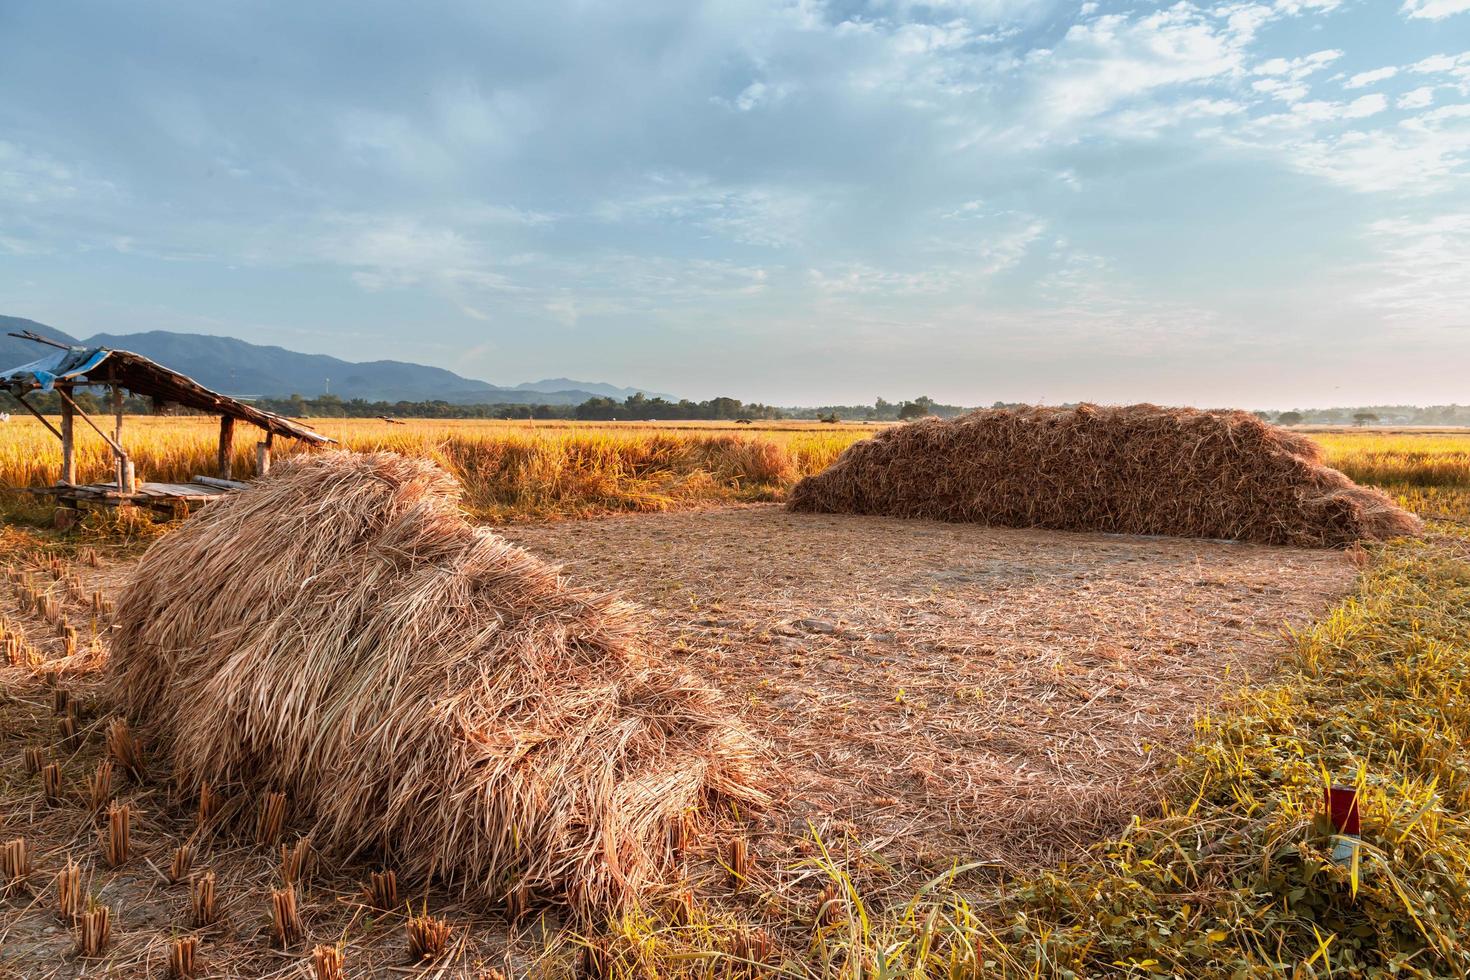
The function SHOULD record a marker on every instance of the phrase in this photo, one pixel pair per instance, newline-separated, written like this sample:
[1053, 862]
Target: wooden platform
[147, 494]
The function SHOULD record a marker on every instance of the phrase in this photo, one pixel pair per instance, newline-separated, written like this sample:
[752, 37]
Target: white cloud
[1115, 58]
[1421, 154]
[1435, 9]
[1423, 260]
[1363, 78]
[1286, 78]
[1418, 98]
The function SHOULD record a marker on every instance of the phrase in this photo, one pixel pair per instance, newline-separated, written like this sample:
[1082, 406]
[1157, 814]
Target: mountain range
[244, 370]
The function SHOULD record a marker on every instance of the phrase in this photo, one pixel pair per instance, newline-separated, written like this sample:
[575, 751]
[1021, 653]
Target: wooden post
[226, 447]
[263, 455]
[124, 467]
[68, 442]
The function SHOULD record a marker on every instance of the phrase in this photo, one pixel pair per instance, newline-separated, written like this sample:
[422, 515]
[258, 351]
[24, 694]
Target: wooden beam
[68, 440]
[226, 447]
[44, 420]
[66, 403]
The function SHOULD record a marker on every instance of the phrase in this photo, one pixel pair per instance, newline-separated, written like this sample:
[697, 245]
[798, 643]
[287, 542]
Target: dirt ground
[945, 692]
[932, 695]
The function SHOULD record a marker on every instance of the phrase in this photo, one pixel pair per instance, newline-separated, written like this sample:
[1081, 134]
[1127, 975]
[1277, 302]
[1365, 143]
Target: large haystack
[1138, 469]
[423, 690]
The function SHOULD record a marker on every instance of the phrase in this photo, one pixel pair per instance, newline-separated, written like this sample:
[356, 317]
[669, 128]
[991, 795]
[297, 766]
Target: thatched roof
[138, 374]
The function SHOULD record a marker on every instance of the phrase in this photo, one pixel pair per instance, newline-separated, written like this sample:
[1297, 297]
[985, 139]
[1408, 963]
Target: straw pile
[424, 691]
[1138, 469]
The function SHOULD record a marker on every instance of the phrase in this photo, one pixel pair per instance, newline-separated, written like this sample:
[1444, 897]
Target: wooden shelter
[63, 369]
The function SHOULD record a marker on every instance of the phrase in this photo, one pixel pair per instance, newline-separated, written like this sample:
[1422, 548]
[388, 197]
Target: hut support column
[263, 455]
[68, 441]
[126, 481]
[226, 447]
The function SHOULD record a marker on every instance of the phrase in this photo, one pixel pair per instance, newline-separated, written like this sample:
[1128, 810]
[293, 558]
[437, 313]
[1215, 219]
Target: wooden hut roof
[138, 374]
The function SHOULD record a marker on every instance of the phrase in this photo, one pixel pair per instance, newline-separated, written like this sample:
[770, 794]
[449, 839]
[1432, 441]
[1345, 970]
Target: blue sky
[1259, 203]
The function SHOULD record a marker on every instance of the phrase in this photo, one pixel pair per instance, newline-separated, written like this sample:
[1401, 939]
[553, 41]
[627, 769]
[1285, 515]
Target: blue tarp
[74, 362]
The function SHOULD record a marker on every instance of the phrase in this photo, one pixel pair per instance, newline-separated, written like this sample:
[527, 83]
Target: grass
[518, 470]
[509, 469]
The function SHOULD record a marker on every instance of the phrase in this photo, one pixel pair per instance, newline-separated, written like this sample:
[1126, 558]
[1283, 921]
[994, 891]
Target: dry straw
[117, 838]
[100, 786]
[285, 917]
[69, 891]
[15, 863]
[419, 685]
[125, 749]
[201, 900]
[181, 862]
[327, 963]
[428, 937]
[1138, 469]
[51, 787]
[382, 891]
[296, 862]
[95, 932]
[271, 819]
[181, 954]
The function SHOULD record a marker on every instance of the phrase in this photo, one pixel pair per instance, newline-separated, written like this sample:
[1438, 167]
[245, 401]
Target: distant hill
[597, 388]
[14, 352]
[247, 370]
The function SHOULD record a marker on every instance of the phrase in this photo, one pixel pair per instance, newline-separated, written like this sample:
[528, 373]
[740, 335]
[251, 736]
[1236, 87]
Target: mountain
[596, 387]
[247, 370]
[14, 351]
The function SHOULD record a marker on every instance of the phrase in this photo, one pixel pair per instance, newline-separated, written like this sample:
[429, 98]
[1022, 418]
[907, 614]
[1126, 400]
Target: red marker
[1342, 807]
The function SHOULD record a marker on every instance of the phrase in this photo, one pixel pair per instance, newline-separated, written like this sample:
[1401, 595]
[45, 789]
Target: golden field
[508, 469]
[514, 469]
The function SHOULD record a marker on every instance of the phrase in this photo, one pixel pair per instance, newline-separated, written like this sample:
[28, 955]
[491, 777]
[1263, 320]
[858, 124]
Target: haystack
[1138, 469]
[428, 694]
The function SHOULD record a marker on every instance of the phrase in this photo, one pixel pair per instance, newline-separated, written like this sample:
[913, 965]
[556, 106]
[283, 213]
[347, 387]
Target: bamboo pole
[226, 447]
[68, 439]
[263, 454]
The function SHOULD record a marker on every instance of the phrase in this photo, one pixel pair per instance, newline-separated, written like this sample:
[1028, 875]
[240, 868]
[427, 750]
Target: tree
[1364, 418]
[1289, 418]
[911, 410]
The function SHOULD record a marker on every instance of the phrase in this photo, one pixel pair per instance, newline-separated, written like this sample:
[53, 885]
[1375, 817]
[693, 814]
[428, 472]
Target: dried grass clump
[327, 963]
[428, 937]
[182, 953]
[420, 687]
[95, 931]
[1138, 469]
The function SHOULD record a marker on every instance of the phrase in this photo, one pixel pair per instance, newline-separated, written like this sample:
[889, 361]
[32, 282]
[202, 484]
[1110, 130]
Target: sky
[1262, 203]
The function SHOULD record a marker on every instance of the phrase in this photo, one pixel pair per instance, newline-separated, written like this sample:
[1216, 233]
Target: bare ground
[943, 692]
[931, 694]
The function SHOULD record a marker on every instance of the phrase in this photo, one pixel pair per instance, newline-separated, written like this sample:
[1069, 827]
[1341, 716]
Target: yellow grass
[524, 469]
[543, 469]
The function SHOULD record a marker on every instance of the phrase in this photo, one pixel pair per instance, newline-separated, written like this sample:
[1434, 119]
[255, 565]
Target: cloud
[1423, 262]
[1364, 78]
[1115, 58]
[1422, 154]
[1418, 98]
[1435, 9]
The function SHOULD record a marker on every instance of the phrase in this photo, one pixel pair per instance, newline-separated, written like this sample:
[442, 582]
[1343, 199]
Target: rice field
[517, 469]
[1225, 869]
[509, 469]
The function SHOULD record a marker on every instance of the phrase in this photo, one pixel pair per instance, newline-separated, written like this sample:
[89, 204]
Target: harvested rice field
[984, 750]
[942, 692]
[925, 694]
